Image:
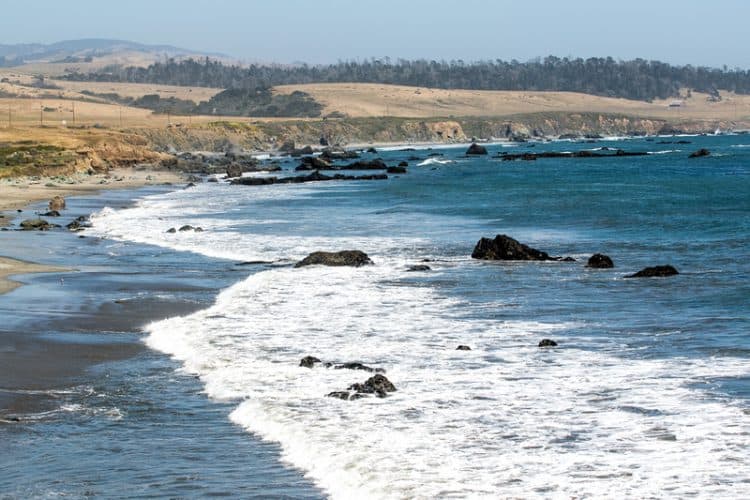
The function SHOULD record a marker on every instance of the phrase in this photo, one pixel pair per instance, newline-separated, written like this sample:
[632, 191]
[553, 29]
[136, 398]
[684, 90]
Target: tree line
[636, 79]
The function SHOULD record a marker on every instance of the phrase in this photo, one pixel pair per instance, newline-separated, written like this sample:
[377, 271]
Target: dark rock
[476, 149]
[403, 164]
[171, 230]
[655, 272]
[418, 267]
[372, 150]
[567, 259]
[506, 248]
[338, 154]
[353, 258]
[323, 141]
[234, 170]
[339, 394]
[463, 348]
[701, 152]
[309, 361]
[190, 185]
[51, 213]
[313, 163]
[600, 261]
[212, 179]
[374, 164]
[307, 150]
[570, 137]
[547, 343]
[377, 384]
[298, 179]
[358, 366]
[396, 170]
[186, 227]
[36, 225]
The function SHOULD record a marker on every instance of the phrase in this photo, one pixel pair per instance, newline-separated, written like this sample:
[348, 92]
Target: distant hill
[89, 50]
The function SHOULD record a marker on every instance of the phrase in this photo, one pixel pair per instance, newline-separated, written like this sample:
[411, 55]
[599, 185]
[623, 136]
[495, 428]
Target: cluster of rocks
[316, 176]
[377, 385]
[232, 163]
[503, 247]
[604, 153]
[185, 228]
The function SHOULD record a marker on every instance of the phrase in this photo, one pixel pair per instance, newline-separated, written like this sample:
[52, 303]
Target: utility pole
[41, 114]
[74, 112]
[119, 108]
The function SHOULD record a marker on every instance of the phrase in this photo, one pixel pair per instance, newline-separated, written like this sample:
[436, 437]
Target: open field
[368, 100]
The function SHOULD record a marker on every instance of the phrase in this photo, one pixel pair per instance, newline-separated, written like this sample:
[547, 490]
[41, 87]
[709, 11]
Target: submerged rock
[51, 213]
[396, 170]
[547, 343]
[600, 261]
[358, 366]
[701, 152]
[463, 348]
[353, 258]
[309, 361]
[418, 268]
[339, 394]
[171, 230]
[506, 248]
[476, 149]
[655, 272]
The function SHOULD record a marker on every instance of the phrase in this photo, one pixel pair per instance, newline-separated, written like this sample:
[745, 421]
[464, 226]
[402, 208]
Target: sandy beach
[17, 193]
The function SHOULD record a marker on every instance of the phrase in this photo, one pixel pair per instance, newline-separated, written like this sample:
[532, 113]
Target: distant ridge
[17, 54]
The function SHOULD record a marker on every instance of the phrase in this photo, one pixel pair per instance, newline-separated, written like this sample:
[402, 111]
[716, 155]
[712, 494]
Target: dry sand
[18, 192]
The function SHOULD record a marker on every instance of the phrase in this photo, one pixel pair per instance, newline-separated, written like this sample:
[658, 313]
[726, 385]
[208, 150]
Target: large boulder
[309, 361]
[313, 163]
[353, 258]
[600, 261]
[506, 248]
[377, 384]
[655, 272]
[57, 203]
[476, 149]
[35, 225]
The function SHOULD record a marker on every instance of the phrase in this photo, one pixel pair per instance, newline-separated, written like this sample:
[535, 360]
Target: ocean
[646, 395]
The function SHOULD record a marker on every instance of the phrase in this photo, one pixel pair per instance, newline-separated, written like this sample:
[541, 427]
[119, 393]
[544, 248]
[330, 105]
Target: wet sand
[66, 320]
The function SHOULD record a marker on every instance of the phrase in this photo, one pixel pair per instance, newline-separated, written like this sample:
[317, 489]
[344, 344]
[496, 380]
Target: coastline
[17, 193]
[11, 267]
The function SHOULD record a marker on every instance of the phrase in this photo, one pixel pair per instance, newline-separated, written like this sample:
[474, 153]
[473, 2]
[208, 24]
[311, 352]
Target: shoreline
[18, 193]
[13, 267]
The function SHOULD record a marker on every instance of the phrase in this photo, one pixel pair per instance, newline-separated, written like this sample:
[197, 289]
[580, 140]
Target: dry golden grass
[370, 100]
[135, 90]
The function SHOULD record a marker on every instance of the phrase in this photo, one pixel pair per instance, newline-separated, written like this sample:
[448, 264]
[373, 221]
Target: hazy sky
[702, 32]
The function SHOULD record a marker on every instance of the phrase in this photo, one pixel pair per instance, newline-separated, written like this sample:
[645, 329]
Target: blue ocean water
[647, 394]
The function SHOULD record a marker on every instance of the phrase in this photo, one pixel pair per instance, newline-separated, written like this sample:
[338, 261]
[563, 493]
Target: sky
[710, 33]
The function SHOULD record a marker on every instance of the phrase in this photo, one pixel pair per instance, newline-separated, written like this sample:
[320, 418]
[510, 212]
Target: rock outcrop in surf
[353, 258]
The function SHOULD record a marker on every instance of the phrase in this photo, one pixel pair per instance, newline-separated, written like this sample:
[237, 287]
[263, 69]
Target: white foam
[503, 419]
[434, 161]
